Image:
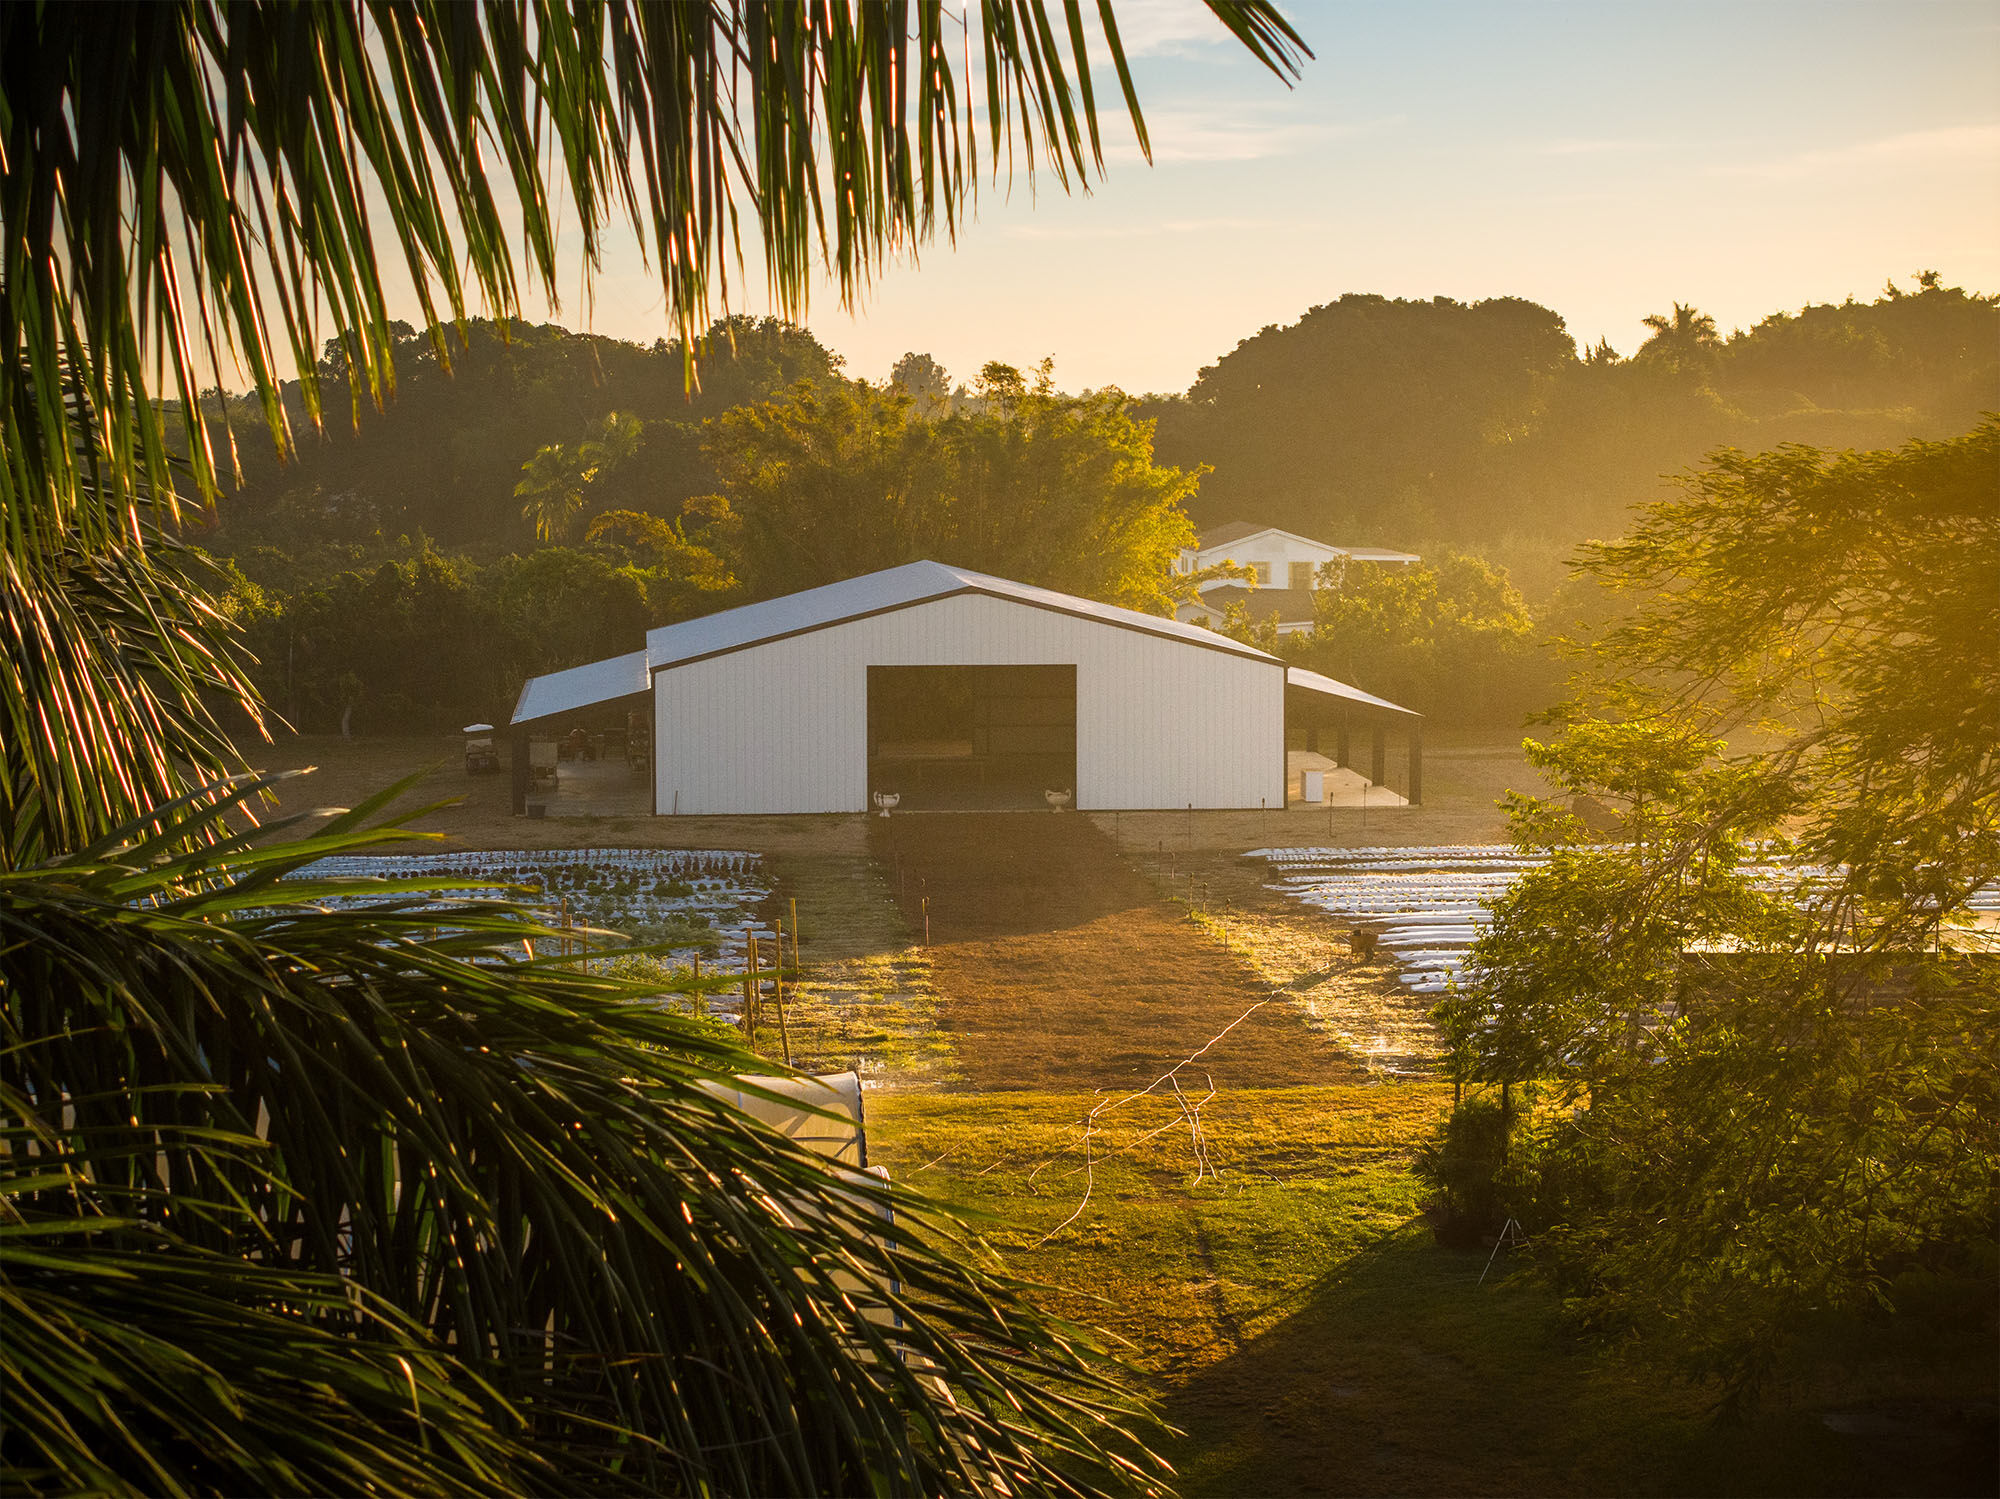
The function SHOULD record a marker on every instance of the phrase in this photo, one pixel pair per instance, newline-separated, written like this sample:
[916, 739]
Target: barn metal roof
[1312, 681]
[820, 608]
[897, 588]
[582, 686]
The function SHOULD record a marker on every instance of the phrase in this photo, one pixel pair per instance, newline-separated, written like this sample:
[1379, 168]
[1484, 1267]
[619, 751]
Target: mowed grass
[1275, 1292]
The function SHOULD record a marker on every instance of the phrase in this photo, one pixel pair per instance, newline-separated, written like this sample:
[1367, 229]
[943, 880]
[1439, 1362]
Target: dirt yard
[1059, 966]
[1064, 950]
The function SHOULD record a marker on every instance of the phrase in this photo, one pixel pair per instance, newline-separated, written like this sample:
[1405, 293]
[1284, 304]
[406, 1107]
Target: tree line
[818, 480]
[547, 496]
[1484, 427]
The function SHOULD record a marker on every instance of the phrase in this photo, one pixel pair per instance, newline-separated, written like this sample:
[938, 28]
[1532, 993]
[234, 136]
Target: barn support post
[1378, 755]
[1416, 762]
[1312, 737]
[1342, 752]
[517, 766]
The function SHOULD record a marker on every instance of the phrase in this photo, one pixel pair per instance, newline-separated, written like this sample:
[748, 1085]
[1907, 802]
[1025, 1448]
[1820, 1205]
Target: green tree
[924, 381]
[1449, 636]
[444, 454]
[303, 1199]
[1368, 415]
[1434, 425]
[1033, 484]
[1779, 1106]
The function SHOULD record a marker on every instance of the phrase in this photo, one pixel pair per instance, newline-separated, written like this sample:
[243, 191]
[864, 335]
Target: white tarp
[843, 1139]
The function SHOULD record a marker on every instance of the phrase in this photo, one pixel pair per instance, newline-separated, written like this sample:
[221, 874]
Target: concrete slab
[1345, 786]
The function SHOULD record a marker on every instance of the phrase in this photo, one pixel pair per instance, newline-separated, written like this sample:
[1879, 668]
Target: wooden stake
[796, 970]
[778, 990]
[700, 999]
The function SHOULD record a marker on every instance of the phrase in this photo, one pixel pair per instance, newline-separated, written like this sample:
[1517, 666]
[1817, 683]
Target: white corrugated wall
[783, 727]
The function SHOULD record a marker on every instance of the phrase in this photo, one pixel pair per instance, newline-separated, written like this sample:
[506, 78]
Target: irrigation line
[1089, 1182]
[1170, 1076]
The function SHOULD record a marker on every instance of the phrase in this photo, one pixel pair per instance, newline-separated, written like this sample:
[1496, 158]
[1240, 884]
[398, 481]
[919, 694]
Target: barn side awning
[1350, 699]
[585, 686]
[1314, 701]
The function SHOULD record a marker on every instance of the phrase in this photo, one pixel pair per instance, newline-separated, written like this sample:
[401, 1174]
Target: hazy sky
[1602, 158]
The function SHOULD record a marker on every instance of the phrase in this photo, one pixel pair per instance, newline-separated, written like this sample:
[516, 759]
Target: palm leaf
[212, 202]
[517, 1160]
[260, 1150]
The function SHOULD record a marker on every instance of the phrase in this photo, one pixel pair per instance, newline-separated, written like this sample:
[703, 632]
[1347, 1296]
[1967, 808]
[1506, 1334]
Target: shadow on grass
[1399, 1374]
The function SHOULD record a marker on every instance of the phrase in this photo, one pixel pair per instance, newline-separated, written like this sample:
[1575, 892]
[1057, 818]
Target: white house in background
[953, 689]
[1287, 572]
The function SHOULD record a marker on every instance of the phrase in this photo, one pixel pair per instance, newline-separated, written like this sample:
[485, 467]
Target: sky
[1605, 158]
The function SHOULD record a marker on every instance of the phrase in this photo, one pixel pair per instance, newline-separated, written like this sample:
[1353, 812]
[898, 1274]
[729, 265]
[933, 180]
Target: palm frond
[517, 1159]
[136, 1363]
[187, 185]
[118, 684]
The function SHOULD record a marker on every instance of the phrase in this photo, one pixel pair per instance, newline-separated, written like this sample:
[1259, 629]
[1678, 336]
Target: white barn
[949, 688]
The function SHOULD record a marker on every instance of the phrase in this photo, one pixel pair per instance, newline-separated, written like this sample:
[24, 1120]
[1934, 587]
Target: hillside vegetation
[1415, 424]
[550, 494]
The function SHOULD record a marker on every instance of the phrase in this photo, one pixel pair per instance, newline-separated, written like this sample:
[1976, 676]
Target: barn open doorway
[959, 738]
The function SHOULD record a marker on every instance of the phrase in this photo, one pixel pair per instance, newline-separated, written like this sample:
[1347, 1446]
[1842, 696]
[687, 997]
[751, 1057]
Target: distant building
[1287, 572]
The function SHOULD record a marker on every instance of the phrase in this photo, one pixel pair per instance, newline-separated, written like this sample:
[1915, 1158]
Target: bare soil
[1058, 965]
[1064, 951]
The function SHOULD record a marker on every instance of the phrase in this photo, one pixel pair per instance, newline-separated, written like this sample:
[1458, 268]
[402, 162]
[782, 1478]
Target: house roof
[1288, 605]
[1297, 677]
[1379, 554]
[821, 608]
[1234, 531]
[895, 588]
[1227, 532]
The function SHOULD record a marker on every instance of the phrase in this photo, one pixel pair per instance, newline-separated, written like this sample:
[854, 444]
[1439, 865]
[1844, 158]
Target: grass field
[1285, 1306]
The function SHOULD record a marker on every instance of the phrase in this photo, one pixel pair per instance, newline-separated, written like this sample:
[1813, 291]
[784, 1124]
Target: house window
[1302, 575]
[1263, 574]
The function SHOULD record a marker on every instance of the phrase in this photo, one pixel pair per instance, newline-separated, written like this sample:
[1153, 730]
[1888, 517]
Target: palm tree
[1684, 339]
[556, 480]
[297, 1196]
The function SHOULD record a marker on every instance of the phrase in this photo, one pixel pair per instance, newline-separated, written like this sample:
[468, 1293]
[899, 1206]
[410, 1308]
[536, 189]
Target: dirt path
[1057, 965]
